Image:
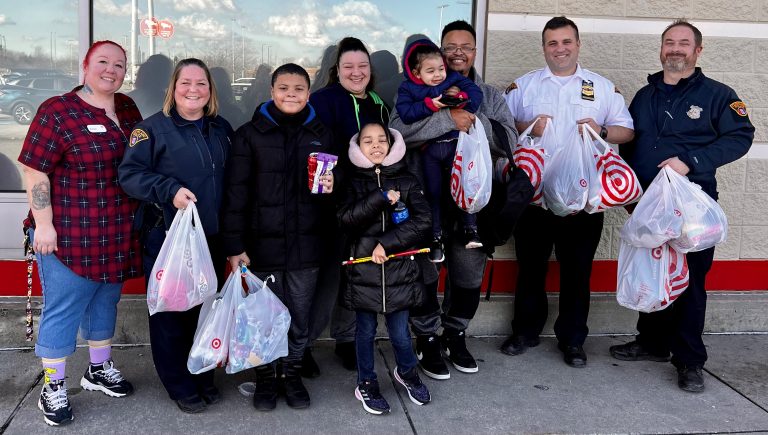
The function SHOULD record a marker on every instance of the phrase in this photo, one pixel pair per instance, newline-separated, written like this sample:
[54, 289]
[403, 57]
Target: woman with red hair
[79, 225]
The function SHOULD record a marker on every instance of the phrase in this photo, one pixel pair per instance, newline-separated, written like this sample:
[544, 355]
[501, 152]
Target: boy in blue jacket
[429, 87]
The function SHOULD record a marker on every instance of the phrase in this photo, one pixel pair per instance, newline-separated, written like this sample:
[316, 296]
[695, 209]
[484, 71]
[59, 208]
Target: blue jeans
[399, 336]
[71, 301]
[437, 157]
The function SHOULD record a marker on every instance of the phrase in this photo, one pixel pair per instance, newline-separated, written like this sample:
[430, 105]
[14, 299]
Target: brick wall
[737, 56]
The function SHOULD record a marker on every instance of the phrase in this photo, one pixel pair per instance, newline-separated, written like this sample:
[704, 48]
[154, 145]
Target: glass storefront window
[242, 41]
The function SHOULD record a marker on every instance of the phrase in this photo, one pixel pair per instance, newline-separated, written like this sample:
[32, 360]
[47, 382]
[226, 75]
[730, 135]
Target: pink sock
[100, 354]
[54, 371]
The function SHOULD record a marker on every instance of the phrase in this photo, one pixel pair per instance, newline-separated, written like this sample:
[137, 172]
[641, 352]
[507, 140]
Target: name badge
[97, 128]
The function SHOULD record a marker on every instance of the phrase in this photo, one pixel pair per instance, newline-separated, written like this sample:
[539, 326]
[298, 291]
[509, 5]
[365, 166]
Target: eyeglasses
[451, 49]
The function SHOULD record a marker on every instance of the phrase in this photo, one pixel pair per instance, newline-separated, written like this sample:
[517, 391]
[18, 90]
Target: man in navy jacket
[694, 125]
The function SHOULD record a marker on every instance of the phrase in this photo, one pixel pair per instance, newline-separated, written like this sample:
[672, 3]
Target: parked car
[240, 86]
[21, 97]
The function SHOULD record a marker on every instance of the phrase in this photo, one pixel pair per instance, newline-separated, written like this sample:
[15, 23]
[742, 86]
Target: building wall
[620, 40]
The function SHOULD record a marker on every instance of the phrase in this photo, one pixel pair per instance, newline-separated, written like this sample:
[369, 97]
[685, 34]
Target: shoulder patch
[616, 90]
[739, 107]
[137, 136]
[512, 86]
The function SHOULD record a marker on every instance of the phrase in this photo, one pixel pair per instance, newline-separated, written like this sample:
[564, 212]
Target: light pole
[233, 49]
[242, 30]
[440, 26]
[269, 55]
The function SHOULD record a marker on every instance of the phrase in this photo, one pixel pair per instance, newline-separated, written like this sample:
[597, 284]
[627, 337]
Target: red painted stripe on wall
[738, 275]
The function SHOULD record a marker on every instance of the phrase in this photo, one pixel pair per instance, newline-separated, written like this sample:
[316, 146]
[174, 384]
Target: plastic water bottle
[400, 213]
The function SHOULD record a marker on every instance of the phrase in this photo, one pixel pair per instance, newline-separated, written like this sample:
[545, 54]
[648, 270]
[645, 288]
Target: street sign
[165, 29]
[148, 27]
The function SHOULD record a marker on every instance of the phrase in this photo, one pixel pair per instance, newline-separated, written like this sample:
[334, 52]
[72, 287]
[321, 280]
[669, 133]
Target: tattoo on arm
[87, 89]
[41, 195]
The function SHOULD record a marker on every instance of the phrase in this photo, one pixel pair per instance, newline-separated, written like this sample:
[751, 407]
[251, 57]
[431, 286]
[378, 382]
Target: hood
[408, 49]
[396, 151]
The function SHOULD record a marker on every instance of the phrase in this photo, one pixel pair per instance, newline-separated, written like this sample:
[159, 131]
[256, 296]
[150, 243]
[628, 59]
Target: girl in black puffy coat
[377, 225]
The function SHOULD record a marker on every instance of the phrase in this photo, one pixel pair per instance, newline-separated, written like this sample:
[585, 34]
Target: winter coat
[414, 98]
[268, 210]
[366, 218]
[703, 123]
[167, 153]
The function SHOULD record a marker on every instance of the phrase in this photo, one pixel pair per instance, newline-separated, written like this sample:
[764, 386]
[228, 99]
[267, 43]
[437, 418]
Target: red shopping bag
[530, 156]
[615, 183]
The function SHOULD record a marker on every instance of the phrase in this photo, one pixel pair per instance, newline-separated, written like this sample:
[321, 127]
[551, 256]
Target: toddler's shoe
[436, 250]
[417, 391]
[472, 239]
[373, 402]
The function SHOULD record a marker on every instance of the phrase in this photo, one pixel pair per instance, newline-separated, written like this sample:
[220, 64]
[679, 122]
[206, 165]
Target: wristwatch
[603, 132]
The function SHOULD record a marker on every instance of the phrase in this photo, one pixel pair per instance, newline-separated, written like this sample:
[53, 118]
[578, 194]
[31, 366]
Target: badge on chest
[587, 90]
[97, 128]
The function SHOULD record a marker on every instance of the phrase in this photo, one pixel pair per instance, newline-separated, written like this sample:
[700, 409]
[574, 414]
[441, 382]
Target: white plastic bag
[531, 156]
[183, 275]
[210, 346]
[656, 218]
[260, 331]
[472, 172]
[704, 221]
[566, 181]
[650, 279]
[615, 183]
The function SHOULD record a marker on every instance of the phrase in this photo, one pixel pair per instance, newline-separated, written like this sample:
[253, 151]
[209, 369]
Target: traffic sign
[165, 28]
[148, 27]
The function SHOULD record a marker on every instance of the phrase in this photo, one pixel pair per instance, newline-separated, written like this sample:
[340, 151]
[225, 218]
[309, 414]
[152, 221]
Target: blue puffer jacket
[414, 97]
[702, 122]
[168, 153]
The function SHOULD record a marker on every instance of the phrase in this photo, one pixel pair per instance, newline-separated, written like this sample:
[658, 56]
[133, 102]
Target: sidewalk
[531, 393]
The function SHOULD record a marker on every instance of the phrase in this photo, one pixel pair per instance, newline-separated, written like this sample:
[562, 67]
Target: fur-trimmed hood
[396, 151]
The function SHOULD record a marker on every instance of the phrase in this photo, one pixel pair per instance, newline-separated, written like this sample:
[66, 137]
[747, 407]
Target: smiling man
[569, 96]
[694, 125]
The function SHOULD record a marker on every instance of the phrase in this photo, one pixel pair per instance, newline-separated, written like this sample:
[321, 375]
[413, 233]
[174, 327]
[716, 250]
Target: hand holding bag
[183, 275]
[210, 347]
[472, 172]
[260, 331]
[656, 218]
[615, 183]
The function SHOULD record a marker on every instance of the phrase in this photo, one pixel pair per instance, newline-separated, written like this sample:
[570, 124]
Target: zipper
[383, 228]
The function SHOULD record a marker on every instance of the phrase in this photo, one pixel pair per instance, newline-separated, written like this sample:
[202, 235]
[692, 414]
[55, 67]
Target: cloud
[307, 29]
[202, 26]
[203, 5]
[108, 7]
[354, 14]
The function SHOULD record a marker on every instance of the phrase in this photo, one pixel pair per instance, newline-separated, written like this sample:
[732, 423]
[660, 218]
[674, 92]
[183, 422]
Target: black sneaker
[417, 391]
[690, 379]
[106, 378]
[296, 394]
[430, 360]
[436, 251]
[634, 351]
[472, 239]
[454, 347]
[55, 404]
[373, 402]
[515, 344]
[265, 395]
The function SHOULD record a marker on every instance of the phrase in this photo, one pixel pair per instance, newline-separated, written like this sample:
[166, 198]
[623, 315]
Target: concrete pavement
[531, 393]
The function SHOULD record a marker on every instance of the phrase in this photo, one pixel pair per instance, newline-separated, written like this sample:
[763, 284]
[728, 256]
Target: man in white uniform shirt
[569, 95]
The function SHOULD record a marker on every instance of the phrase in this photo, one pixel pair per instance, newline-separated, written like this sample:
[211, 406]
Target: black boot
[296, 394]
[309, 367]
[265, 396]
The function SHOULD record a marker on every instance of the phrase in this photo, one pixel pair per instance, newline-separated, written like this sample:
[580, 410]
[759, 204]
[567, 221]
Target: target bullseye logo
[215, 343]
[618, 181]
[531, 161]
[470, 166]
[159, 275]
[583, 183]
[656, 252]
[677, 213]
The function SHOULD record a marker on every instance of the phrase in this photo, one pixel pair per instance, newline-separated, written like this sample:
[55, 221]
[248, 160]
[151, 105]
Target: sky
[285, 29]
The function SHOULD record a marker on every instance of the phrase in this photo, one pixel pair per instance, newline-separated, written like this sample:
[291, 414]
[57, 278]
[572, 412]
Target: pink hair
[98, 44]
